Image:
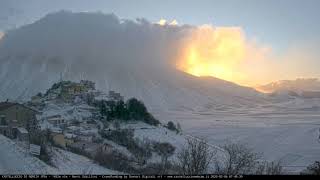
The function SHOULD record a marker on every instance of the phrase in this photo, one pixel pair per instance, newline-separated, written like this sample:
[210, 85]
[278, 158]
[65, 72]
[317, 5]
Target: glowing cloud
[174, 22]
[162, 22]
[218, 52]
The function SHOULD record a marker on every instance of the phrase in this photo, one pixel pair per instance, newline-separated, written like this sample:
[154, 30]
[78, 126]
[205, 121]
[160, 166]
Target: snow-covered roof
[22, 130]
[70, 135]
[56, 130]
[6, 105]
[55, 119]
[74, 128]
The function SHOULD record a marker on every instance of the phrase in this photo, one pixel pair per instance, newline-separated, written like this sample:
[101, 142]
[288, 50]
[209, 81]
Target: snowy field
[278, 132]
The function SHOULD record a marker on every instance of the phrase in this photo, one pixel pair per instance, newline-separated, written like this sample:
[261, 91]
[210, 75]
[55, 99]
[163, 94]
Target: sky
[288, 28]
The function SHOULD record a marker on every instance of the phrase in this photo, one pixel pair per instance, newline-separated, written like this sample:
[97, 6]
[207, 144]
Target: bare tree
[195, 157]
[114, 160]
[314, 168]
[164, 150]
[269, 168]
[142, 150]
[240, 160]
[164, 164]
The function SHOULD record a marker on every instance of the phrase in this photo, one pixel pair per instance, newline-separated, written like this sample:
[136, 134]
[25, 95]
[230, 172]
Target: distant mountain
[309, 88]
[130, 57]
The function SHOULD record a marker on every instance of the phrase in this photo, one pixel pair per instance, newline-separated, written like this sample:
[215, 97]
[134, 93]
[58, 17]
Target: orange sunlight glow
[220, 52]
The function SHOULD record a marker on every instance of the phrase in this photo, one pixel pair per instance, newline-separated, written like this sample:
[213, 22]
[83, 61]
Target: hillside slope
[14, 159]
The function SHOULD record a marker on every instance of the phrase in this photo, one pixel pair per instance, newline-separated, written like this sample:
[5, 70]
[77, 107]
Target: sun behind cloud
[163, 22]
[219, 52]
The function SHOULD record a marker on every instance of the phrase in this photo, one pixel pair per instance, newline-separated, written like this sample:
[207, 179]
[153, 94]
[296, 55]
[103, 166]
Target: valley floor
[291, 137]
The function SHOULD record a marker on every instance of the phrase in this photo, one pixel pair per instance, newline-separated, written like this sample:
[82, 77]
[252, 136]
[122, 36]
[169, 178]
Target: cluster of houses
[72, 92]
[79, 136]
[66, 91]
[17, 120]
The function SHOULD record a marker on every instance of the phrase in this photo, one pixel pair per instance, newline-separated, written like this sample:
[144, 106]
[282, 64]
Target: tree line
[132, 109]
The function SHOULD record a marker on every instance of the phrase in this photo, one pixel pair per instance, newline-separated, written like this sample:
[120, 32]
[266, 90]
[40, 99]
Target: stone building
[56, 120]
[58, 137]
[15, 115]
[22, 134]
[89, 85]
[115, 96]
[67, 90]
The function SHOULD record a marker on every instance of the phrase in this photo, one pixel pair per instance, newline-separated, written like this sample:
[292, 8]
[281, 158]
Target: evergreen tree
[137, 109]
[103, 109]
[110, 113]
[122, 110]
[172, 126]
[179, 127]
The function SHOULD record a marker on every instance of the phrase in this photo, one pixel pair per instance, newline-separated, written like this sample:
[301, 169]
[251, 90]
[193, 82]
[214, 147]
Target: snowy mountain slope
[312, 84]
[99, 47]
[298, 87]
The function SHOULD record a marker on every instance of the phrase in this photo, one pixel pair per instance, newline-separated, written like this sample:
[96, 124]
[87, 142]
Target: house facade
[58, 138]
[13, 116]
[115, 96]
[56, 120]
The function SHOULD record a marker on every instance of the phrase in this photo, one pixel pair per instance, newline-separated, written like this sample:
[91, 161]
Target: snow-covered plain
[279, 132]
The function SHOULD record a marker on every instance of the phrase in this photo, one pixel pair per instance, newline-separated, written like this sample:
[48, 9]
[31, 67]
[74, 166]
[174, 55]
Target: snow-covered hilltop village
[74, 119]
[86, 92]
